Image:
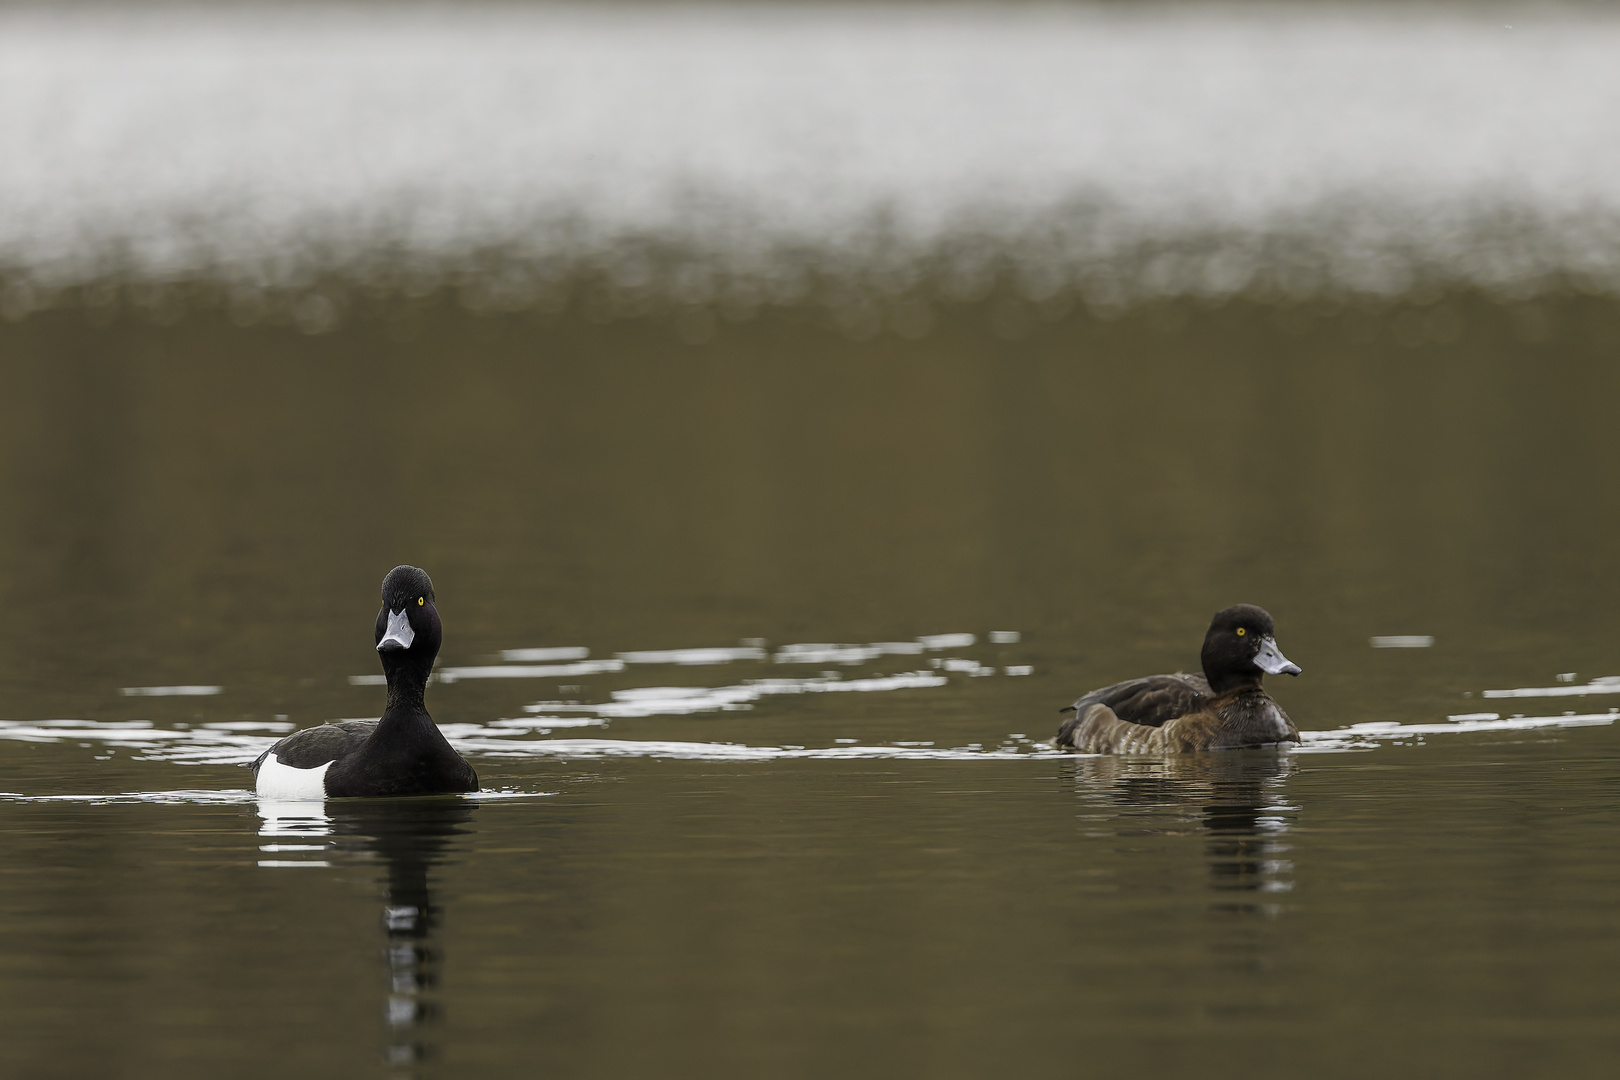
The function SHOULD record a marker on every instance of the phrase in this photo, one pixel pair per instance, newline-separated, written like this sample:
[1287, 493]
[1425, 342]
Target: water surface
[786, 619]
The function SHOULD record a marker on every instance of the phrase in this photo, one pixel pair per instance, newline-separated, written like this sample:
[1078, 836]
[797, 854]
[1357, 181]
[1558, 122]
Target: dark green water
[197, 504]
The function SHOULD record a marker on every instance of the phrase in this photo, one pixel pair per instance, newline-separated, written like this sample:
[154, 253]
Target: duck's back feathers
[313, 747]
[1152, 701]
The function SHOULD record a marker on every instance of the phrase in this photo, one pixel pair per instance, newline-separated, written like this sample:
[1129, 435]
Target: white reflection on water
[179, 744]
[685, 700]
[546, 655]
[818, 653]
[299, 820]
[608, 748]
[291, 813]
[828, 653]
[544, 724]
[250, 725]
[964, 667]
[1368, 735]
[527, 671]
[506, 671]
[240, 741]
[189, 796]
[1162, 151]
[1608, 684]
[511, 738]
[1402, 641]
[695, 657]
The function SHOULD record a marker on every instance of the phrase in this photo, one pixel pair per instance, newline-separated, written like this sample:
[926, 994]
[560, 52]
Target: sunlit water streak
[503, 739]
[269, 808]
[171, 691]
[696, 152]
[685, 700]
[540, 663]
[1367, 735]
[1608, 684]
[241, 741]
[238, 742]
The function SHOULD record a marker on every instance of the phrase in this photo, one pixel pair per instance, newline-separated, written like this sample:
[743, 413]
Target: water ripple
[517, 738]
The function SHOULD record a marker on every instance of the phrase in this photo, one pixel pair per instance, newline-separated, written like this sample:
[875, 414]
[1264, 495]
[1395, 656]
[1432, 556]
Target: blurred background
[966, 356]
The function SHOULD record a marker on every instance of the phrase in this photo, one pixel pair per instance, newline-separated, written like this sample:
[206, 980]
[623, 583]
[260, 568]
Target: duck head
[408, 630]
[1241, 649]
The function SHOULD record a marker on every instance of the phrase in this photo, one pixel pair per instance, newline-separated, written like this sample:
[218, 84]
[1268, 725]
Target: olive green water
[197, 504]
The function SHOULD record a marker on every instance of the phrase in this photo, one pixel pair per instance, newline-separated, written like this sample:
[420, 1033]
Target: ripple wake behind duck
[404, 752]
[1224, 708]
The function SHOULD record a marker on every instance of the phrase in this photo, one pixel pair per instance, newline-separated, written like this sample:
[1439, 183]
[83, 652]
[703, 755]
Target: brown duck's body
[1223, 709]
[1200, 720]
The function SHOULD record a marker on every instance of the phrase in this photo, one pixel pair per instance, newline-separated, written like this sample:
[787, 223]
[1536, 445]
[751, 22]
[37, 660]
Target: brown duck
[1223, 709]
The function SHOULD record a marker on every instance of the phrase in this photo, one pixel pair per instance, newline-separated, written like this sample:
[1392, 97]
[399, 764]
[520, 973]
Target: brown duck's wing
[1152, 701]
[1097, 730]
[314, 747]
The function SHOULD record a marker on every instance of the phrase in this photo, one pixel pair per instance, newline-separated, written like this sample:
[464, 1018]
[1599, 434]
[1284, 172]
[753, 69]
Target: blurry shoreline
[526, 157]
[1426, 318]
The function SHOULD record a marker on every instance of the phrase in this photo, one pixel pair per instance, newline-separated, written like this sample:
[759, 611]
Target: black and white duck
[404, 752]
[1225, 708]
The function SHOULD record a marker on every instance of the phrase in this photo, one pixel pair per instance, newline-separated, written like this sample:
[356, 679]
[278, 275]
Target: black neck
[1231, 683]
[407, 685]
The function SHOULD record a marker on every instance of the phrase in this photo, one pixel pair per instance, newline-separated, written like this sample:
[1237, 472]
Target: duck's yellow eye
[1241, 631]
[421, 600]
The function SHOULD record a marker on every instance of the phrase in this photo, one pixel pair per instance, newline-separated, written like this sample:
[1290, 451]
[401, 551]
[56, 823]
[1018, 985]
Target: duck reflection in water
[410, 837]
[1235, 798]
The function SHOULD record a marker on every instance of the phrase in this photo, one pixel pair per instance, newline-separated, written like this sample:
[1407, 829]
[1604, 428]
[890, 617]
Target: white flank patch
[283, 783]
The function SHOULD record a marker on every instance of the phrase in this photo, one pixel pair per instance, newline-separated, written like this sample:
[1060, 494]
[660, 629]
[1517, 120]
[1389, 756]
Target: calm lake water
[847, 851]
[764, 571]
